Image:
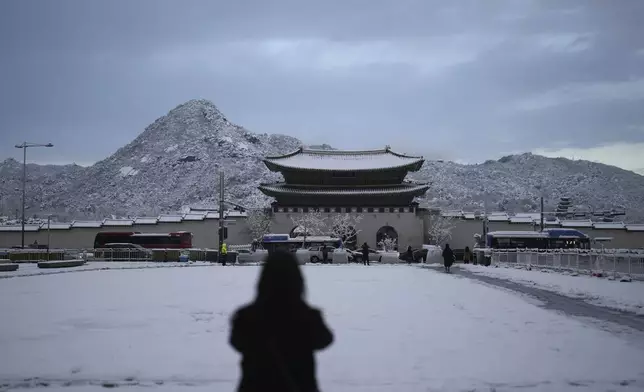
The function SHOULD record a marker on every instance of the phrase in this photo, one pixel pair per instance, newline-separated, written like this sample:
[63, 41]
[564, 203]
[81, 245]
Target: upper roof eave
[281, 162]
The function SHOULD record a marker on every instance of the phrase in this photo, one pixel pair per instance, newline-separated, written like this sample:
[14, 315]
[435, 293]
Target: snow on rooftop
[452, 214]
[194, 216]
[87, 224]
[170, 218]
[146, 220]
[576, 223]
[608, 225]
[118, 222]
[55, 226]
[548, 221]
[635, 227]
[498, 217]
[19, 227]
[212, 215]
[469, 215]
[521, 219]
[402, 189]
[306, 159]
[531, 215]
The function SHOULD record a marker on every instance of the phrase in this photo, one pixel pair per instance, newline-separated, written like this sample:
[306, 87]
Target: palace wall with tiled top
[411, 225]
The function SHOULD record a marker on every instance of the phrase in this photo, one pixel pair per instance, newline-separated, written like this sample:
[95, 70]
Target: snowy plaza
[397, 328]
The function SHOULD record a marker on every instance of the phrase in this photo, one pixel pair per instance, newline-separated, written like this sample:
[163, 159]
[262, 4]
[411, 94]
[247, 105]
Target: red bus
[175, 240]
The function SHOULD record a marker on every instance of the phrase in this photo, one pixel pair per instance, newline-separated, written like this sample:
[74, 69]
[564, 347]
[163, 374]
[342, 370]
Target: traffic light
[223, 233]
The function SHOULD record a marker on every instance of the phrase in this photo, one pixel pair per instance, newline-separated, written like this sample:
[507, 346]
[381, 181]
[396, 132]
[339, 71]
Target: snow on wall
[118, 222]
[609, 225]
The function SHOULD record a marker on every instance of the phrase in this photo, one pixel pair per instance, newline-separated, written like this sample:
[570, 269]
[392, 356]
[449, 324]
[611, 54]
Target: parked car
[373, 255]
[418, 255]
[316, 253]
[249, 256]
[123, 252]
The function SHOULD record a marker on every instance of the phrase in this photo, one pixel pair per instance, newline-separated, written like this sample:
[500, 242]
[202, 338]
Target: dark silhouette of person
[448, 257]
[365, 254]
[325, 254]
[467, 255]
[410, 255]
[278, 332]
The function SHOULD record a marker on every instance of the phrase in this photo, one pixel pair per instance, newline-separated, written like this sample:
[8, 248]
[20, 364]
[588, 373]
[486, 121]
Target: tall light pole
[24, 147]
[221, 216]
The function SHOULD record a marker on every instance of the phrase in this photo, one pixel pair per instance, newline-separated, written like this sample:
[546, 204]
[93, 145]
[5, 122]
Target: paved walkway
[570, 306]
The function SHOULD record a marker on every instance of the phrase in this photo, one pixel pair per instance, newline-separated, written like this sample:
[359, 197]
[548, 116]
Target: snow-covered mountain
[515, 183]
[176, 160]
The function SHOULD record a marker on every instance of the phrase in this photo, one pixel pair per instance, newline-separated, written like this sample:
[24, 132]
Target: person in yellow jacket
[223, 253]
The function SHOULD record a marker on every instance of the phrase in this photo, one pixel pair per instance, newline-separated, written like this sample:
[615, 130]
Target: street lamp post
[24, 147]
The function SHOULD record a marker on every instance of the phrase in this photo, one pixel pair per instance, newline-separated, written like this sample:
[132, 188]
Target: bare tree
[310, 223]
[344, 226]
[440, 229]
[258, 222]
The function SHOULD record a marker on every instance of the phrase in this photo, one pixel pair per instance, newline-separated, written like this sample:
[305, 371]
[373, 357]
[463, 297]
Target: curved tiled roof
[343, 160]
[285, 189]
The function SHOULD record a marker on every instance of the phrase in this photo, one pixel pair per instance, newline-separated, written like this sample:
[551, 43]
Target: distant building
[347, 179]
[370, 183]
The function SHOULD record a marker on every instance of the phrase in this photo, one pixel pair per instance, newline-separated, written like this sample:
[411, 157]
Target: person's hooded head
[446, 246]
[280, 281]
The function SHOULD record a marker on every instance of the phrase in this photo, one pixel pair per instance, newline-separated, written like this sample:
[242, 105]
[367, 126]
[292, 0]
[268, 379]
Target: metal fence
[607, 262]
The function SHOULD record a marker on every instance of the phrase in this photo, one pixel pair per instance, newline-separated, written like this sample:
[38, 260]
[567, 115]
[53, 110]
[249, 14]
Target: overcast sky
[461, 80]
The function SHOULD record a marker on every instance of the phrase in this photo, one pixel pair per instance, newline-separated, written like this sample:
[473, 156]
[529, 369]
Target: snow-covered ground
[628, 296]
[398, 328]
[31, 269]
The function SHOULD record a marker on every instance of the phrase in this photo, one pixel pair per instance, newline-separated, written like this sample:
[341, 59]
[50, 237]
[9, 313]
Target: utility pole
[24, 182]
[542, 213]
[221, 213]
[485, 221]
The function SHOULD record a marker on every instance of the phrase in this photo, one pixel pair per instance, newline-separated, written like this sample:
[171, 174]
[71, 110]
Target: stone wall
[411, 228]
[204, 234]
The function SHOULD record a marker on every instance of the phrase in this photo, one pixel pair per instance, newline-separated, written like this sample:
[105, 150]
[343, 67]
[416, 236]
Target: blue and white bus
[272, 242]
[546, 239]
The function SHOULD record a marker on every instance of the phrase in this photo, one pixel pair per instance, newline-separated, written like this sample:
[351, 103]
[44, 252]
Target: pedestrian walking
[325, 254]
[448, 257]
[223, 254]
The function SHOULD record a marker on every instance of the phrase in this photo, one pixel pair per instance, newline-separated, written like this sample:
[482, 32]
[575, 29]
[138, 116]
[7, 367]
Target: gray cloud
[470, 81]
